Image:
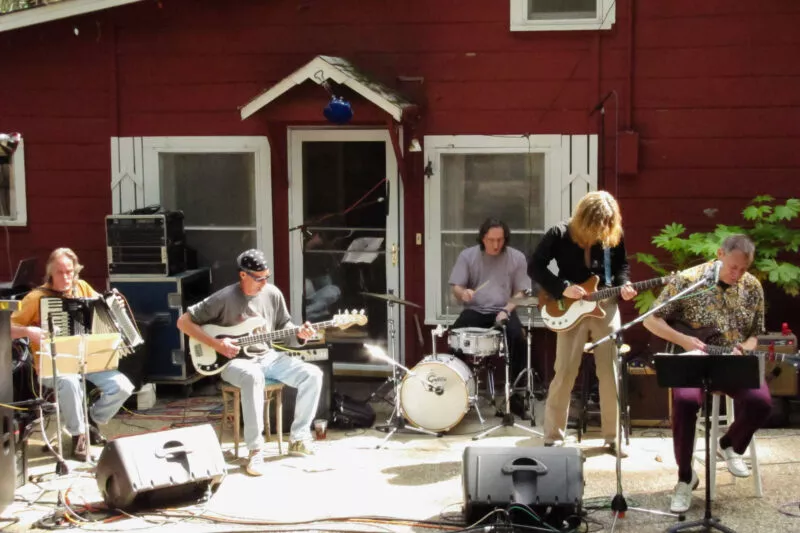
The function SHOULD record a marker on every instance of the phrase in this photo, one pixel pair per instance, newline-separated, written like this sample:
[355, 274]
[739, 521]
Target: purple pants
[752, 408]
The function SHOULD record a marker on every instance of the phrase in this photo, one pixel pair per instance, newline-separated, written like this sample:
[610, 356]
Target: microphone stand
[618, 504]
[508, 416]
[61, 464]
[397, 420]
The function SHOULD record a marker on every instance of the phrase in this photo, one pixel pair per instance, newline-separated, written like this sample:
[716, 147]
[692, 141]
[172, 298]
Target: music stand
[708, 372]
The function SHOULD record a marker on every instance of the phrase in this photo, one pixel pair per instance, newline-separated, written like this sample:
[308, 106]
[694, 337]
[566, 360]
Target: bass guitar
[565, 313]
[208, 361]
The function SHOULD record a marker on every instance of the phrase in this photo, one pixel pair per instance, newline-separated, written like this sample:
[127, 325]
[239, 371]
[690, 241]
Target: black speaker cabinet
[7, 437]
[155, 468]
[548, 480]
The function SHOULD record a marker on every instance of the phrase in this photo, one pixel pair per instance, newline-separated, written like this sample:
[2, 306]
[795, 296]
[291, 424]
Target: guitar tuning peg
[361, 312]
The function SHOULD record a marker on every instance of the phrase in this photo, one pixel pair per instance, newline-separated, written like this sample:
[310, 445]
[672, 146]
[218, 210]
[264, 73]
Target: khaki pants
[569, 349]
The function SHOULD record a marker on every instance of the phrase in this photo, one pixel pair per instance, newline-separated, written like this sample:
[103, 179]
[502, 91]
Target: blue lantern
[338, 111]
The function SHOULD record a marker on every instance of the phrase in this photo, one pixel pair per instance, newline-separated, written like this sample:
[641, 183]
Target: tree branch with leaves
[766, 221]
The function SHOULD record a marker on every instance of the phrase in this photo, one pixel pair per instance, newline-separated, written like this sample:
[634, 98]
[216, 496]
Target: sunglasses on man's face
[255, 278]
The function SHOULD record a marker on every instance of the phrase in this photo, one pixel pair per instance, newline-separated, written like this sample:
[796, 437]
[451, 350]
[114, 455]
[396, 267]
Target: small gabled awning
[324, 68]
[40, 12]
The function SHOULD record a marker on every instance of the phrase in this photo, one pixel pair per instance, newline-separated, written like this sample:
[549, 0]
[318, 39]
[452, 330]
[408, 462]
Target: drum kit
[436, 394]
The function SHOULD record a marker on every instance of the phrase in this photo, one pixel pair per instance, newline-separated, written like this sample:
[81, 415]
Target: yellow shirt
[29, 311]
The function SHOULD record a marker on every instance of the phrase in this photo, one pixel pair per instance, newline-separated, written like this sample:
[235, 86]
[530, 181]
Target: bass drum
[434, 411]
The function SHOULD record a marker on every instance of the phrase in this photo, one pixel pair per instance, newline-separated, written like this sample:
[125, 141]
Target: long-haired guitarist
[734, 308]
[252, 297]
[590, 243]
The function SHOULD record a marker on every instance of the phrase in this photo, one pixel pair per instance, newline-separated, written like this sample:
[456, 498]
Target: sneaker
[735, 462]
[682, 497]
[299, 448]
[255, 463]
[611, 447]
[80, 450]
[549, 443]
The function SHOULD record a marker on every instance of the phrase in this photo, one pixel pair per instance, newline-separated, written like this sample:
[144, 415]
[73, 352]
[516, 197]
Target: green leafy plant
[766, 222]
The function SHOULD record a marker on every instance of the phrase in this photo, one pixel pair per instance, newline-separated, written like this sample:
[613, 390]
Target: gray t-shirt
[506, 274]
[230, 306]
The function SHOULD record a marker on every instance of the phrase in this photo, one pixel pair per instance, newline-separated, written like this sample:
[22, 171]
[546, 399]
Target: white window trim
[603, 20]
[435, 147]
[259, 146]
[17, 196]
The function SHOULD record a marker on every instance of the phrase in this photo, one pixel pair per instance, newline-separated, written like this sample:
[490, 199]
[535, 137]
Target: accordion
[88, 316]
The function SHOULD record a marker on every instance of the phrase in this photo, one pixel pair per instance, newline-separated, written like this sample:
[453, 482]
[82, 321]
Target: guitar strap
[607, 265]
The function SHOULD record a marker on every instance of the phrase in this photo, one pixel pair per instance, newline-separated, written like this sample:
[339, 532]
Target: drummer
[485, 277]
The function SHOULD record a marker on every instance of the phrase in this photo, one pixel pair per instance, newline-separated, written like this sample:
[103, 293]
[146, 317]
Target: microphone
[713, 272]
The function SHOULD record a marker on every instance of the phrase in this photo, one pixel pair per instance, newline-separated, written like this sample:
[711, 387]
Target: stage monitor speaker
[163, 467]
[548, 480]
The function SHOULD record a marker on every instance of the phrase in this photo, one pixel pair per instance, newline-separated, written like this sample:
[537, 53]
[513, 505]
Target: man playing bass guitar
[590, 243]
[251, 297]
[734, 308]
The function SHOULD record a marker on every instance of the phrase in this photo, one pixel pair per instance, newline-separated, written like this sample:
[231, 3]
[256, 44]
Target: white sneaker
[255, 463]
[682, 497]
[735, 462]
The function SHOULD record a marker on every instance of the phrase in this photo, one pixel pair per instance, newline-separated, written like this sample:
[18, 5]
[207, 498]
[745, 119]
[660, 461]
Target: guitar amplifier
[783, 377]
[146, 244]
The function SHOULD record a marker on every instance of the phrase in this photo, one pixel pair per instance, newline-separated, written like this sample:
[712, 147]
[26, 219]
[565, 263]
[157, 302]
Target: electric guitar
[564, 313]
[712, 335]
[208, 361]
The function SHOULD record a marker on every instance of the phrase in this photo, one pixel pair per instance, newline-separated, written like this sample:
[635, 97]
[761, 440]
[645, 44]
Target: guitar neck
[260, 338]
[724, 350]
[610, 292]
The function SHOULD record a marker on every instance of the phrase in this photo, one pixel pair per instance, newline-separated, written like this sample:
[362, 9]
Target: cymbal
[391, 298]
[525, 301]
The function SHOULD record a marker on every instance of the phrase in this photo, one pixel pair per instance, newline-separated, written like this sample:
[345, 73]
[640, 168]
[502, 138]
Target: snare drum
[478, 342]
[437, 412]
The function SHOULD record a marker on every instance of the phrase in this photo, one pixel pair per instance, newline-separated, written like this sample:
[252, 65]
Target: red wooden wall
[711, 87]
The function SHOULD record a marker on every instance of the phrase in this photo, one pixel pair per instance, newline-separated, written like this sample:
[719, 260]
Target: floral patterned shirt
[735, 311]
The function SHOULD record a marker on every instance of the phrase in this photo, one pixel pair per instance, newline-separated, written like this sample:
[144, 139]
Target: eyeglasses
[256, 278]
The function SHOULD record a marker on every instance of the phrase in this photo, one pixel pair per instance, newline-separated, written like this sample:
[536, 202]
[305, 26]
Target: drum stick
[482, 285]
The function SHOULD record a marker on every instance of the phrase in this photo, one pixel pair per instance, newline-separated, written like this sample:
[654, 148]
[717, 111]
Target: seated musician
[589, 243]
[485, 277]
[735, 309]
[250, 297]
[63, 281]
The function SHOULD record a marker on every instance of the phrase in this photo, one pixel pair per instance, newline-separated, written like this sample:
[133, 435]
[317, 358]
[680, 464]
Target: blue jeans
[250, 375]
[114, 386]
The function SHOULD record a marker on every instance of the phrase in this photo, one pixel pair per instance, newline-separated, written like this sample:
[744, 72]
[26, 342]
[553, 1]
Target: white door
[343, 197]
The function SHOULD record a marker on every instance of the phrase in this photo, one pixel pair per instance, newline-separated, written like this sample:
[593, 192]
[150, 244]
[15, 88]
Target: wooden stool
[231, 412]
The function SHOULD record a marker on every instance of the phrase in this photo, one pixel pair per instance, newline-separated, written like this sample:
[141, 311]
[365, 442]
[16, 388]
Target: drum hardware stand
[396, 420]
[508, 417]
[618, 504]
[530, 374]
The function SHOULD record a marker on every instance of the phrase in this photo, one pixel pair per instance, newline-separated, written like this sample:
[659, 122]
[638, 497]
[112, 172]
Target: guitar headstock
[351, 318]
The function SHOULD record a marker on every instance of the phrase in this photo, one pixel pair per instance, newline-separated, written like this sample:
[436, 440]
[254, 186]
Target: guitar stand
[508, 417]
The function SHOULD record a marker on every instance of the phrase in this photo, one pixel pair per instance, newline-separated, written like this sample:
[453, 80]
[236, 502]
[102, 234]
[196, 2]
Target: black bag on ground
[349, 413]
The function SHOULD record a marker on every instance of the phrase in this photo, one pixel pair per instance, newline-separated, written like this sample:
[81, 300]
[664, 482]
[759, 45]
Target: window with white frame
[13, 205]
[516, 179]
[222, 185]
[562, 15]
